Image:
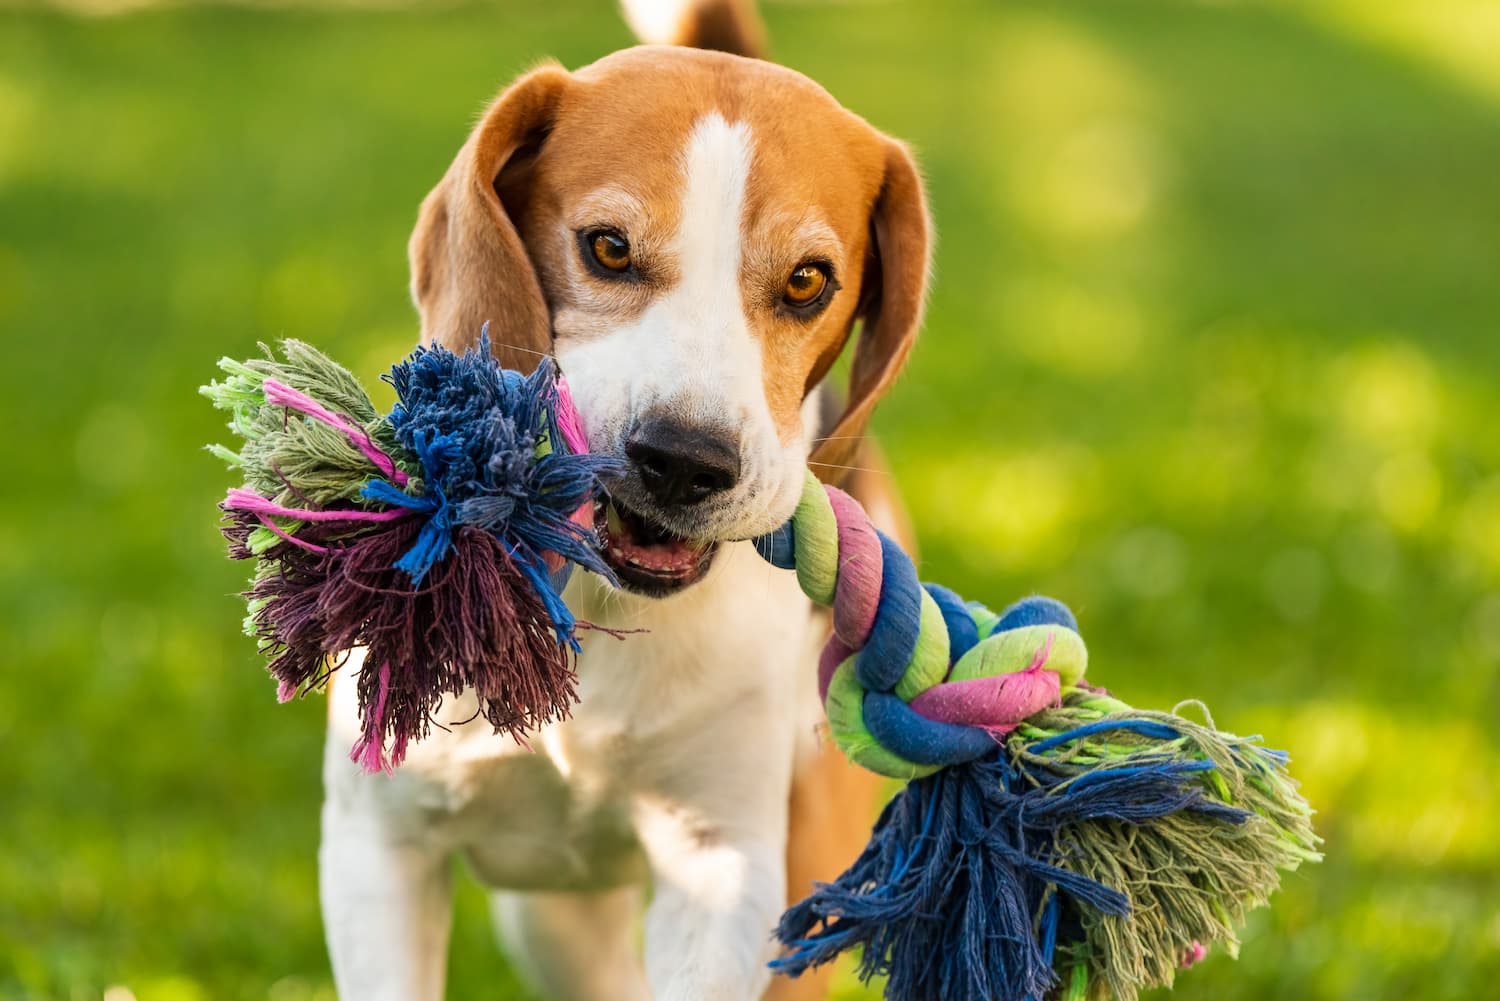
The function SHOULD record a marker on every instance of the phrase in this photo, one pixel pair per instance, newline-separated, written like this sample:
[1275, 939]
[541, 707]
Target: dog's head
[694, 235]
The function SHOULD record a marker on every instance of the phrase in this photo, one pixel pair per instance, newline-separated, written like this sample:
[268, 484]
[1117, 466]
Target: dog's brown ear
[892, 299]
[468, 264]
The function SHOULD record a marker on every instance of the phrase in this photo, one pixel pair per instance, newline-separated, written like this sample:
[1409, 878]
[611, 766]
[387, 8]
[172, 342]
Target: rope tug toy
[1052, 840]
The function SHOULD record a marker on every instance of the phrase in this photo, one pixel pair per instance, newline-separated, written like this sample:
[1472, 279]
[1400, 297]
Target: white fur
[676, 765]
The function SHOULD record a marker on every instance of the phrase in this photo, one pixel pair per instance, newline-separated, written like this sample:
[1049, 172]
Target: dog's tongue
[630, 538]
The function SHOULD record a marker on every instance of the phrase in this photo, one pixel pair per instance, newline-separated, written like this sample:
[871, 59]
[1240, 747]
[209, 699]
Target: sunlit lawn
[1213, 355]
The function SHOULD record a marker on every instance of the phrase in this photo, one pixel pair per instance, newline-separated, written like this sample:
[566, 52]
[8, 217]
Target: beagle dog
[693, 235]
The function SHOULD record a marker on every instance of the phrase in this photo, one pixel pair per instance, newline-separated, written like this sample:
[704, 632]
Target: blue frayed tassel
[432, 544]
[476, 430]
[436, 537]
[563, 622]
[963, 887]
[1051, 911]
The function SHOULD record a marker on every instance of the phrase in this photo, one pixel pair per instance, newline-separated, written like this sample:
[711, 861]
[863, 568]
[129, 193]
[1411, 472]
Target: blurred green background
[1213, 355]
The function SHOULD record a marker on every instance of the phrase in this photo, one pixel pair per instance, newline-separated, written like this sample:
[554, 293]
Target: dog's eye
[806, 284]
[610, 249]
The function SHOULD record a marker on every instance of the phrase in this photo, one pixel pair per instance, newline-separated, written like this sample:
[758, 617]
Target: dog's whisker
[857, 469]
[517, 347]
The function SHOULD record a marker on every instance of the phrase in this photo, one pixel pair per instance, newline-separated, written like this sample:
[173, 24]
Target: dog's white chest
[711, 676]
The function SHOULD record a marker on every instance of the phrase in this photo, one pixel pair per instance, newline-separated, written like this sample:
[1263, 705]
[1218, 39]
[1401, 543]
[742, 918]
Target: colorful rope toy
[438, 537]
[1051, 841]
[1052, 836]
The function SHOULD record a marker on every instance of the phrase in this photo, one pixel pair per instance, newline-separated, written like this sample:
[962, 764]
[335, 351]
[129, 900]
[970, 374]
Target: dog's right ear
[892, 298]
[468, 264]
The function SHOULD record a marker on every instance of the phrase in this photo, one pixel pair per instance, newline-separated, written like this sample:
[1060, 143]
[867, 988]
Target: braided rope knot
[914, 678]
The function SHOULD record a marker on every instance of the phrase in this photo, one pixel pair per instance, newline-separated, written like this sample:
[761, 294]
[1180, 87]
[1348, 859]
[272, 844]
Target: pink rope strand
[569, 422]
[368, 751]
[311, 547]
[279, 394]
[244, 500]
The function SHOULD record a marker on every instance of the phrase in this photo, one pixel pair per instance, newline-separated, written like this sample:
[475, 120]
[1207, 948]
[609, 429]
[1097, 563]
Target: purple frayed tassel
[475, 622]
[447, 584]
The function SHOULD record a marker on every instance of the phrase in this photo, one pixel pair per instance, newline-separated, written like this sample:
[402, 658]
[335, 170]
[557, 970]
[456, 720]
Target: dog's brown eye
[610, 250]
[805, 284]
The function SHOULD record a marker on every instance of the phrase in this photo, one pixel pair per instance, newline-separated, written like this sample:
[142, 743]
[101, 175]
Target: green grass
[1212, 356]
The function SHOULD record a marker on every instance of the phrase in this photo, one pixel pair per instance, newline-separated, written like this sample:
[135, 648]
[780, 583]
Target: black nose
[681, 464]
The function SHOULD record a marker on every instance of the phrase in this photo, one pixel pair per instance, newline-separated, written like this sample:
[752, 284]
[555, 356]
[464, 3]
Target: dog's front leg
[387, 905]
[718, 862]
[715, 899]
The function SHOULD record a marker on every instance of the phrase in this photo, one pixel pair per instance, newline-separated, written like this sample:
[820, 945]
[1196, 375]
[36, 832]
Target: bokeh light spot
[1389, 394]
[1476, 530]
[1014, 510]
[17, 108]
[1408, 490]
[1073, 329]
[1100, 181]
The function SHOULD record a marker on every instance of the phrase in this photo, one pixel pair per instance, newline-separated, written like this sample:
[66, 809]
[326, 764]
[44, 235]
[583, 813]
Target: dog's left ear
[468, 263]
[892, 299]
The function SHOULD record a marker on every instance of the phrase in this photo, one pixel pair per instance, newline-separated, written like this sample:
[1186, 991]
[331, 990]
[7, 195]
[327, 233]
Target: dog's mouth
[646, 556]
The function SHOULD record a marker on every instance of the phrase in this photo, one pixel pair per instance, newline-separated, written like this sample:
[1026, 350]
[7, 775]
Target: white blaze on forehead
[701, 319]
[716, 167]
